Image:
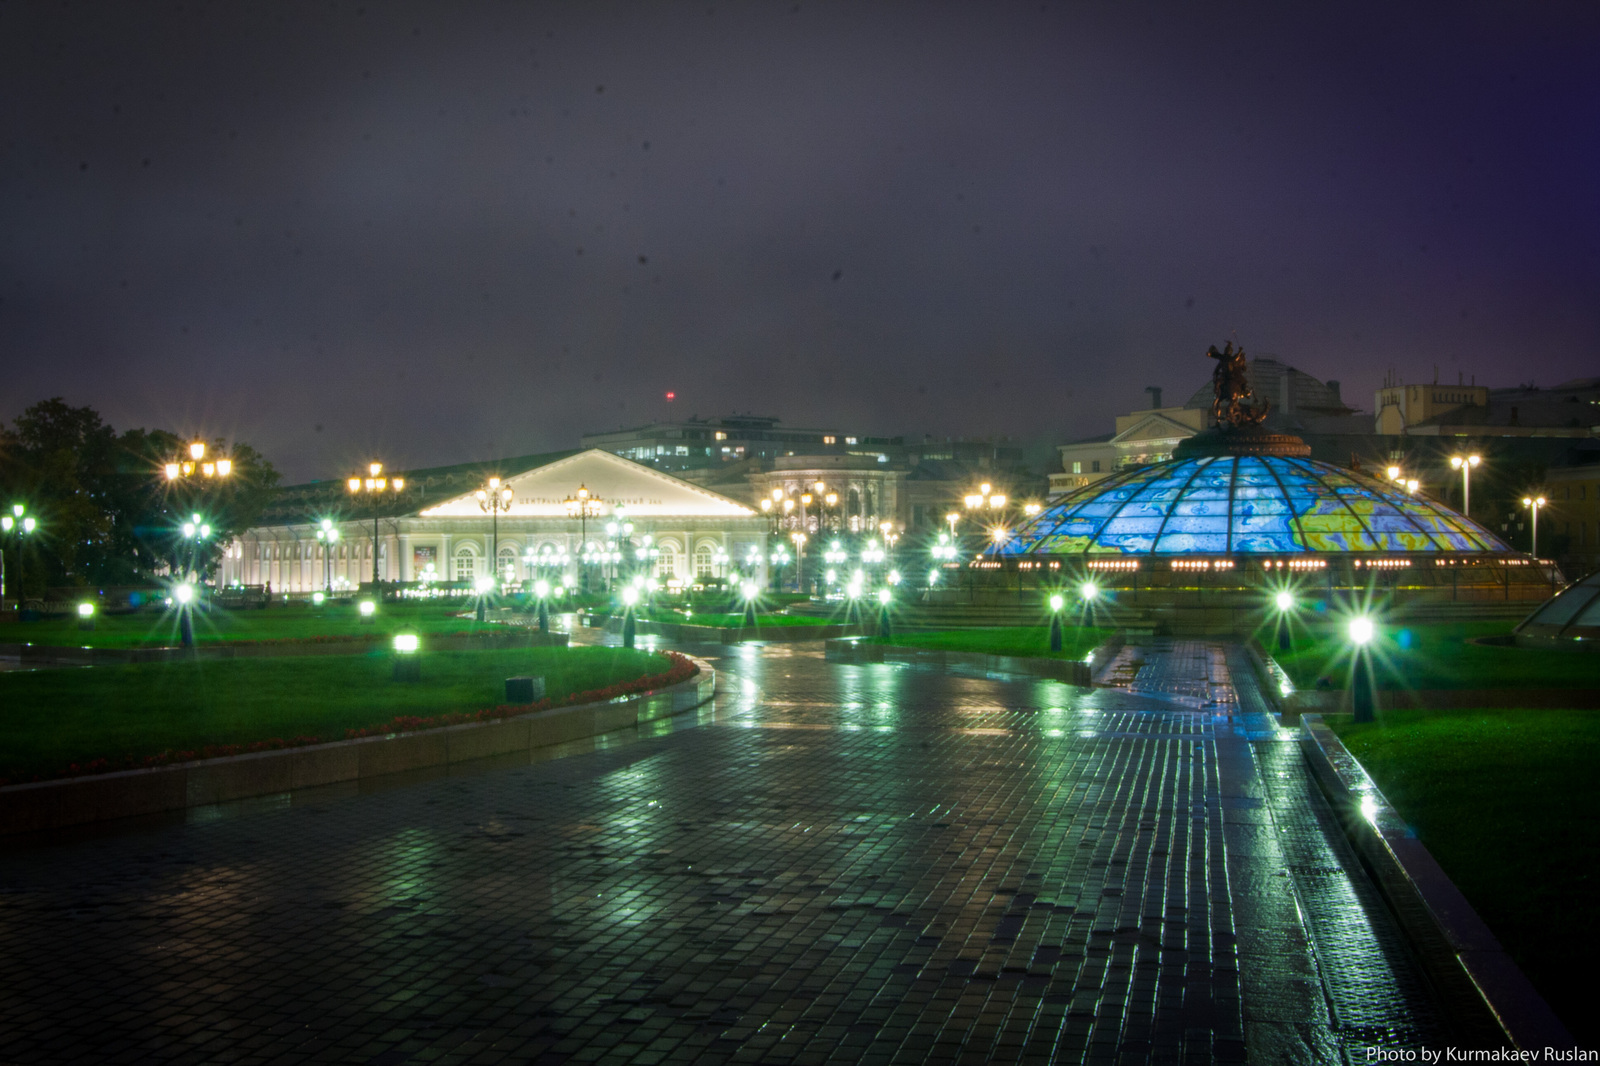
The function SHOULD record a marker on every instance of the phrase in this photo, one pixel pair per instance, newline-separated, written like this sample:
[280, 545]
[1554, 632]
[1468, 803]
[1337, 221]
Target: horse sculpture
[1232, 387]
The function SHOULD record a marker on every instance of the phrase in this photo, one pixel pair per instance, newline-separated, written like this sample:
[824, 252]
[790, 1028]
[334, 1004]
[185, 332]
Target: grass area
[221, 626]
[52, 718]
[1437, 656]
[1032, 641]
[1509, 804]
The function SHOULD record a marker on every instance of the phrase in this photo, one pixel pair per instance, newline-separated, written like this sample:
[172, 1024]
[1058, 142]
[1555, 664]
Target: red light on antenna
[672, 396]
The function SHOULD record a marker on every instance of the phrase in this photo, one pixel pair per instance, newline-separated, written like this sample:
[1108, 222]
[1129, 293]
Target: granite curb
[1492, 1001]
[1071, 671]
[46, 805]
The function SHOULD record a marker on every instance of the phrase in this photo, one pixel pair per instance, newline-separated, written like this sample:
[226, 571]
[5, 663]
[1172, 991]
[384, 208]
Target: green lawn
[1437, 656]
[278, 622]
[52, 718]
[1076, 641]
[1509, 804]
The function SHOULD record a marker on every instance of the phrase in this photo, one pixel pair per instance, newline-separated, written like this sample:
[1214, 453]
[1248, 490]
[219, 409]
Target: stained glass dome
[1246, 504]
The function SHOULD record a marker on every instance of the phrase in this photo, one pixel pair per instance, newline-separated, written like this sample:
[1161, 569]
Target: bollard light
[1089, 591]
[1361, 632]
[1284, 600]
[86, 615]
[317, 599]
[184, 593]
[368, 610]
[630, 595]
[541, 588]
[1057, 601]
[407, 665]
[884, 596]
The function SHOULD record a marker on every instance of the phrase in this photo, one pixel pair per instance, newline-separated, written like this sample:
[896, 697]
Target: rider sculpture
[1232, 388]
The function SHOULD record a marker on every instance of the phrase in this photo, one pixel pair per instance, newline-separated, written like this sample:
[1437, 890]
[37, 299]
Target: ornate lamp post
[374, 485]
[492, 499]
[196, 464]
[581, 505]
[1465, 463]
[18, 524]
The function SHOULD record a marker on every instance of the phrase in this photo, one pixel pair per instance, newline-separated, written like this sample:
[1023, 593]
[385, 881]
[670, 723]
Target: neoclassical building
[560, 510]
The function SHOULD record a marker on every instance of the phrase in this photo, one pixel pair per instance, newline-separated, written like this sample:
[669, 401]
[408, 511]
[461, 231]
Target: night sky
[441, 232]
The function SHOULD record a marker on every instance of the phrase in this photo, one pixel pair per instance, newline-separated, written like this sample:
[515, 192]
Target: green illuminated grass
[51, 718]
[1509, 804]
[220, 626]
[1026, 641]
[1437, 656]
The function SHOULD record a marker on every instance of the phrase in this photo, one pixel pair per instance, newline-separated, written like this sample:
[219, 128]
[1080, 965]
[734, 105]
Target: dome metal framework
[1249, 505]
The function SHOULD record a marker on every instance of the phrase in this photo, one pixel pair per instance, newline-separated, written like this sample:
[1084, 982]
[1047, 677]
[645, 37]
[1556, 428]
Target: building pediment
[612, 482]
[1153, 427]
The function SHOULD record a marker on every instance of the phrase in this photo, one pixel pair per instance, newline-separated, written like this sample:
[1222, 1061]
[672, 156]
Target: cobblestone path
[838, 863]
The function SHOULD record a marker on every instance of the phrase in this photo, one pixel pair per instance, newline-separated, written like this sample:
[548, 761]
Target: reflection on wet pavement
[834, 863]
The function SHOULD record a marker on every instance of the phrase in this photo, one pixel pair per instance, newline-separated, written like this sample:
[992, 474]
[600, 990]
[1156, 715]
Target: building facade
[584, 515]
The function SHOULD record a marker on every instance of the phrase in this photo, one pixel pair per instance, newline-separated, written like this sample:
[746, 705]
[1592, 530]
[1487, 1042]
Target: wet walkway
[838, 863]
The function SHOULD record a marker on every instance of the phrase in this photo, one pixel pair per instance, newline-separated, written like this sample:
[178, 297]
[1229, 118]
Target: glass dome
[1571, 615]
[1246, 504]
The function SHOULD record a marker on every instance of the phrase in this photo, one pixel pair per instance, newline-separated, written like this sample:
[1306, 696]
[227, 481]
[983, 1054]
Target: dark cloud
[444, 231]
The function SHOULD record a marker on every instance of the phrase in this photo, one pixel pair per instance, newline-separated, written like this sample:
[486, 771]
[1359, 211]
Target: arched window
[466, 565]
[667, 563]
[508, 564]
[703, 564]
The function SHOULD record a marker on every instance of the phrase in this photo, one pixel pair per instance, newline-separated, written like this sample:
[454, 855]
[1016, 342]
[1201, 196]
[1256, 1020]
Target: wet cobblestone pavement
[839, 863]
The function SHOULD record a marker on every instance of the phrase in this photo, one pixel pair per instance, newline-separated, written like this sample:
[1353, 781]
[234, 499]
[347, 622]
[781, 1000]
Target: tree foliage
[107, 515]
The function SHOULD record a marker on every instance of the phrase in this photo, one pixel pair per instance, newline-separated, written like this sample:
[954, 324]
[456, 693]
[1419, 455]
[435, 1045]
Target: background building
[436, 528]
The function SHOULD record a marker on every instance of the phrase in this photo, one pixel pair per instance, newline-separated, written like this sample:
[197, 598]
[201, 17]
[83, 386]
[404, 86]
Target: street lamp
[328, 535]
[374, 485]
[481, 586]
[18, 523]
[1465, 463]
[1057, 601]
[197, 463]
[581, 505]
[492, 499]
[885, 597]
[1533, 503]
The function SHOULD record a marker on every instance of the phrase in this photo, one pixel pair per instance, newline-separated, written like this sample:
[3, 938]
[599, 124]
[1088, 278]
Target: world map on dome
[1231, 504]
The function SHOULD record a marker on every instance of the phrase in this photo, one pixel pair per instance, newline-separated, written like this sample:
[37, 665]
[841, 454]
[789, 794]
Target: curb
[45, 805]
[1073, 672]
[1492, 1001]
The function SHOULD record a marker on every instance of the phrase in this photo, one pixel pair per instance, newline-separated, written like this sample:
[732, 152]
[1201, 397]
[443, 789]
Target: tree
[106, 513]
